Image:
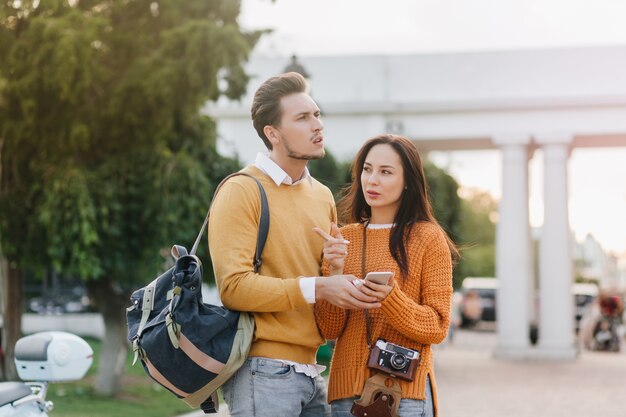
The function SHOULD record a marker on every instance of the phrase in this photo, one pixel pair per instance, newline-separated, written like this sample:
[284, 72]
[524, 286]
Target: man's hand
[341, 292]
[335, 248]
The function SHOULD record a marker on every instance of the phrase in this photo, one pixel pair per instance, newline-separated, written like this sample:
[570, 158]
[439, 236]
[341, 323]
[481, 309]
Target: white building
[593, 262]
[514, 101]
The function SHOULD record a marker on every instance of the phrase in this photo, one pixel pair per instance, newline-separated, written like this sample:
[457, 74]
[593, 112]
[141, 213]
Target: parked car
[486, 288]
[67, 300]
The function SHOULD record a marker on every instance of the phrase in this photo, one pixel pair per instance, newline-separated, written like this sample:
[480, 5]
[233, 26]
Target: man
[280, 377]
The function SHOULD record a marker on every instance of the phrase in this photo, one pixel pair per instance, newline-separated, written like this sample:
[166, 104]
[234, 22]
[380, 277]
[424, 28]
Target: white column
[556, 304]
[513, 251]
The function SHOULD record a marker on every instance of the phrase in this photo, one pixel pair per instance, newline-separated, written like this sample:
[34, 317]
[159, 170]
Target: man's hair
[266, 109]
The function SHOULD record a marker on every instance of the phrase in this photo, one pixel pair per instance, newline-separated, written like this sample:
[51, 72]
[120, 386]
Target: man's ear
[272, 134]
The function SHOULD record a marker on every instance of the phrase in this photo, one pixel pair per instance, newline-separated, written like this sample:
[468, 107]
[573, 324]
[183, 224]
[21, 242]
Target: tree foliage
[445, 199]
[477, 236]
[332, 173]
[104, 156]
[102, 121]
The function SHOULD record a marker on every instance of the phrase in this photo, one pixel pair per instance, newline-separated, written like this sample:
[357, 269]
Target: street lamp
[295, 66]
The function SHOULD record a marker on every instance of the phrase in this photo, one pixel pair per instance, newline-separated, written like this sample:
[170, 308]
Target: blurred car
[583, 293]
[486, 288]
[67, 300]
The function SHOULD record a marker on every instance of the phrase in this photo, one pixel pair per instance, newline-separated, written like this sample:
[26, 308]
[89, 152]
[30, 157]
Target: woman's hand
[378, 291]
[335, 248]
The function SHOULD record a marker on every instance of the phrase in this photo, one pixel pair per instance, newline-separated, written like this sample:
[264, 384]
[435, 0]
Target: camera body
[394, 360]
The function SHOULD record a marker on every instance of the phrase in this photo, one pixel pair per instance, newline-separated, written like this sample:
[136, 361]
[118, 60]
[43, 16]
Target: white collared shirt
[276, 173]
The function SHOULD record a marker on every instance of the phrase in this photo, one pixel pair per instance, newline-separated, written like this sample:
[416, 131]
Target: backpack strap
[146, 308]
[147, 304]
[264, 221]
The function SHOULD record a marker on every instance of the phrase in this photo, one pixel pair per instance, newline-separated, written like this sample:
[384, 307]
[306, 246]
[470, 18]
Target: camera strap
[368, 324]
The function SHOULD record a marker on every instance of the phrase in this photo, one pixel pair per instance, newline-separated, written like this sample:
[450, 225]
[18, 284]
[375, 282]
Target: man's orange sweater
[415, 314]
[285, 323]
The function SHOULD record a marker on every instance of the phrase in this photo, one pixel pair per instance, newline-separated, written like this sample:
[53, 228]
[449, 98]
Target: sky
[597, 177]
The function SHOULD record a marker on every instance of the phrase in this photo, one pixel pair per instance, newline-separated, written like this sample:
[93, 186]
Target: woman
[393, 227]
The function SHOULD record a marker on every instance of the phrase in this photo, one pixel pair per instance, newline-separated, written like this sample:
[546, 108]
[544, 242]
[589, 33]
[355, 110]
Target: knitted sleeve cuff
[395, 303]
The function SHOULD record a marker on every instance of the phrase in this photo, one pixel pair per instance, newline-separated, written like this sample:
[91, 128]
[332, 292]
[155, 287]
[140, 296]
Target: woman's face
[382, 181]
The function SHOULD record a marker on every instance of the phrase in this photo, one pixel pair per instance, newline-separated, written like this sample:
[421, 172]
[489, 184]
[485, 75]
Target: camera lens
[398, 361]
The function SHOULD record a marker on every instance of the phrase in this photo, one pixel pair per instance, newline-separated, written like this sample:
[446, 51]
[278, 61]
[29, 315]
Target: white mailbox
[52, 356]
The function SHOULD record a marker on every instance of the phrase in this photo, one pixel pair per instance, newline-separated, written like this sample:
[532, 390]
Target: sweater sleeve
[233, 228]
[330, 319]
[427, 322]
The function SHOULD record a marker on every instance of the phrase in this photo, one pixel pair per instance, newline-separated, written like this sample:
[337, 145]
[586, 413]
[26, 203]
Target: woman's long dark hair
[414, 203]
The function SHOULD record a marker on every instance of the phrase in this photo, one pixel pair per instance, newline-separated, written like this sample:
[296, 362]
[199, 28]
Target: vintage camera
[394, 360]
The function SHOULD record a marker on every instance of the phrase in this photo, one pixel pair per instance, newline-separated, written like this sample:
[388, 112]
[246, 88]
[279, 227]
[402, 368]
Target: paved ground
[471, 383]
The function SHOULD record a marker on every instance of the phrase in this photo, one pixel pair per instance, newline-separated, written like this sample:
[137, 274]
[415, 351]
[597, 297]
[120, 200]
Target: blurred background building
[593, 263]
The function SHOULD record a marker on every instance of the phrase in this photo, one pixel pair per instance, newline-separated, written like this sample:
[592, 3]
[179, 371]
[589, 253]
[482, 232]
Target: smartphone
[379, 277]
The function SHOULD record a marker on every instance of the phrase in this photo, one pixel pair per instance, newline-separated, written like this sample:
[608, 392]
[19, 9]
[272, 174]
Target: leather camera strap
[368, 324]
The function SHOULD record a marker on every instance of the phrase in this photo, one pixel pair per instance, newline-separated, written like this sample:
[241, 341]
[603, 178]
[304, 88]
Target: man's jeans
[408, 407]
[265, 387]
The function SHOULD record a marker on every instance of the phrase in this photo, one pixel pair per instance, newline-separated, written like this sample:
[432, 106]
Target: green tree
[477, 236]
[105, 158]
[445, 199]
[330, 172]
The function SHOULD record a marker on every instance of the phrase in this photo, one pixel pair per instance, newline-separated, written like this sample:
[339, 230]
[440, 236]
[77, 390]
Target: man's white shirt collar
[276, 173]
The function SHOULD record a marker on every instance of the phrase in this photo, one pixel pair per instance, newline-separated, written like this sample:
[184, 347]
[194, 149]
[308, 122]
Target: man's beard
[303, 157]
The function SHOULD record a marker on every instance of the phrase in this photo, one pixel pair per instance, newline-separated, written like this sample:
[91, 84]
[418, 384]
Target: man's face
[299, 133]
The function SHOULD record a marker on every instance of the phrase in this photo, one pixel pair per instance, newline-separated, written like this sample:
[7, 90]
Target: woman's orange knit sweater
[415, 314]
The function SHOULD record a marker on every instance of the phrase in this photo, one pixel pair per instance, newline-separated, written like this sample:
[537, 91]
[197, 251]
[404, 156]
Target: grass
[138, 395]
